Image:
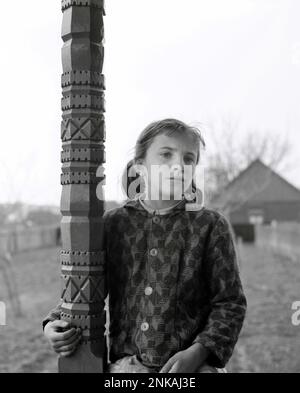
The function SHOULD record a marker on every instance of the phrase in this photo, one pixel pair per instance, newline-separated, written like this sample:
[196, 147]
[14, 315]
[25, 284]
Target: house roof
[258, 183]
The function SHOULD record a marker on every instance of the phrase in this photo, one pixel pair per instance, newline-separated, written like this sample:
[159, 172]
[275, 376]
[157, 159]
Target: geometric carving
[83, 289]
[83, 272]
[83, 128]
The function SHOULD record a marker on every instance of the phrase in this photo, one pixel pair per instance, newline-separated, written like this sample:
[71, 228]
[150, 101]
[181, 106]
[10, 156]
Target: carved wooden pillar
[83, 134]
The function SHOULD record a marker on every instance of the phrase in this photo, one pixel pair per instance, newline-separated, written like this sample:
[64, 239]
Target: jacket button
[144, 356]
[156, 220]
[153, 252]
[148, 291]
[144, 326]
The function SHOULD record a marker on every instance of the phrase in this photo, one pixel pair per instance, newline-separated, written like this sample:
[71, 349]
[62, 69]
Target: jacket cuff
[52, 316]
[215, 357]
[45, 321]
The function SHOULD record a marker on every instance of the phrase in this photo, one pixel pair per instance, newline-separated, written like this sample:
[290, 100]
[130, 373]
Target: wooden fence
[24, 239]
[283, 238]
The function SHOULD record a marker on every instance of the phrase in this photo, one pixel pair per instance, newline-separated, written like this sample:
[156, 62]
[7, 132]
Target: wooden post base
[85, 360]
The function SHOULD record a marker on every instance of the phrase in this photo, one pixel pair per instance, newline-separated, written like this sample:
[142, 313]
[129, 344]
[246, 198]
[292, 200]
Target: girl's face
[169, 166]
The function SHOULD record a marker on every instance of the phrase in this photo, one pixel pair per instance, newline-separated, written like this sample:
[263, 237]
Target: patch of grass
[268, 341]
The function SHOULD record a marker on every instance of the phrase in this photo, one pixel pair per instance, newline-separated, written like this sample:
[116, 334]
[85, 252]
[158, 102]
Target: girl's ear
[197, 203]
[139, 166]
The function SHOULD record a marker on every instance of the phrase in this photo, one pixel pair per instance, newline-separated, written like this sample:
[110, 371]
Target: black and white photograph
[150, 189]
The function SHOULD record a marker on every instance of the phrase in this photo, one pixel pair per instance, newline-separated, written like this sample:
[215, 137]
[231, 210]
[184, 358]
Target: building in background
[258, 195]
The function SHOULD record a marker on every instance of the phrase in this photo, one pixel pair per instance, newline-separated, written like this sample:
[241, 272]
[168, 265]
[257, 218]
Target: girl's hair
[167, 127]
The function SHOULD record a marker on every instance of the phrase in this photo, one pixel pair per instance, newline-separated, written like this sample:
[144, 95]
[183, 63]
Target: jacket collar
[136, 204]
[185, 205]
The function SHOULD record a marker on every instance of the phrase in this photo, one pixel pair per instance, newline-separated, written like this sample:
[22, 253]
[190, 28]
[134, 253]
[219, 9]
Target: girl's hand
[187, 361]
[63, 338]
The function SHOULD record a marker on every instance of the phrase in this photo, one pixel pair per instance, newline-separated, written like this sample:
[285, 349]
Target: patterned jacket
[173, 280]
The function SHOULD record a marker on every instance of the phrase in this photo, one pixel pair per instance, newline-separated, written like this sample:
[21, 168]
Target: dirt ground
[23, 347]
[268, 342]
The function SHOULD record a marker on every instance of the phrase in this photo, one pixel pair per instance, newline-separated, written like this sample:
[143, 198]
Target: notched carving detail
[82, 258]
[84, 155]
[92, 326]
[82, 77]
[77, 101]
[81, 178]
[65, 4]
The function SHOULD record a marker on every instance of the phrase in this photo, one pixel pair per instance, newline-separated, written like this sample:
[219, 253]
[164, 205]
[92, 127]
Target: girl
[176, 301]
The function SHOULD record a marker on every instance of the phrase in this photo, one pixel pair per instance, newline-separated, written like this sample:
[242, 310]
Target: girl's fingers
[70, 340]
[168, 365]
[166, 368]
[66, 354]
[59, 323]
[175, 367]
[69, 347]
[56, 336]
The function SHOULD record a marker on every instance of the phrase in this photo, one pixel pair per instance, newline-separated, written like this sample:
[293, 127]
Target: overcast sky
[197, 60]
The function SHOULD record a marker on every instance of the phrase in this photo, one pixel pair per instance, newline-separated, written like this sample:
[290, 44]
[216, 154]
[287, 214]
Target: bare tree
[231, 154]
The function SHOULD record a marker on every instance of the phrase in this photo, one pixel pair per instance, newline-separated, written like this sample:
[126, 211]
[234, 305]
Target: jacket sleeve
[53, 314]
[227, 300]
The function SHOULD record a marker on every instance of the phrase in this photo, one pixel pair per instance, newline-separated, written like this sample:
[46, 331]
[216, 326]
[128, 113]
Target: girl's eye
[189, 160]
[166, 154]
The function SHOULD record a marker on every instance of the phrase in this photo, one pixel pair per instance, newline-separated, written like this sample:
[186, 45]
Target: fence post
[83, 134]
[239, 246]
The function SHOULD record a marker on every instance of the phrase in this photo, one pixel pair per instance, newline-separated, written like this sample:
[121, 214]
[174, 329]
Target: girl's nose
[179, 160]
[178, 164]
